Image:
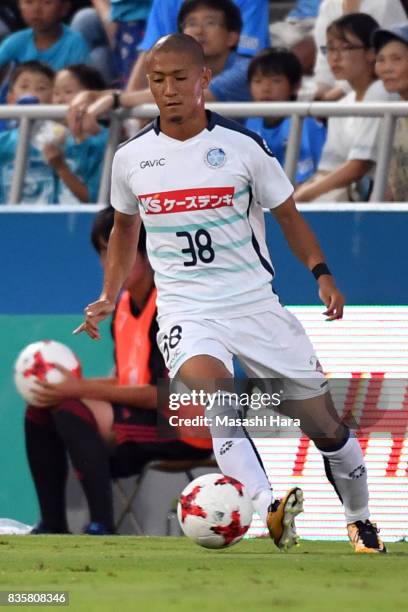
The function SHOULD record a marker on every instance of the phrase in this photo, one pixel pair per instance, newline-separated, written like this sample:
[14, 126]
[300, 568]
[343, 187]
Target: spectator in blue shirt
[163, 19]
[34, 81]
[77, 163]
[216, 24]
[46, 39]
[275, 76]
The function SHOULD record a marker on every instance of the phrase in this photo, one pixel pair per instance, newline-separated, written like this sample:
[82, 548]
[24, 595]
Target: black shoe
[41, 529]
[364, 537]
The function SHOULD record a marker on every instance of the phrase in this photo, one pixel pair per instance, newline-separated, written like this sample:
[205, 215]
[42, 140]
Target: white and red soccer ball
[215, 511]
[37, 362]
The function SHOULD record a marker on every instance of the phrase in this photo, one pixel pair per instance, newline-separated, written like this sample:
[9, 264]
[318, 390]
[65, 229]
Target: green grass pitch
[121, 573]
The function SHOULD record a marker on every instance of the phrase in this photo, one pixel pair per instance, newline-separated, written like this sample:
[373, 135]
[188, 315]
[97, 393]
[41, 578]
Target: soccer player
[199, 182]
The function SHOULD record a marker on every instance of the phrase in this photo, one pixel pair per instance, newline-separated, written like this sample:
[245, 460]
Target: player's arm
[122, 248]
[304, 245]
[121, 254]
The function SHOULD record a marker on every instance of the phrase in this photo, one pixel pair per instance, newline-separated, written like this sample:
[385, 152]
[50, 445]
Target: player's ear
[206, 77]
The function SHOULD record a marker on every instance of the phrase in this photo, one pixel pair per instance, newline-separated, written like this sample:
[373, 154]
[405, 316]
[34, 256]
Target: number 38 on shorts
[168, 342]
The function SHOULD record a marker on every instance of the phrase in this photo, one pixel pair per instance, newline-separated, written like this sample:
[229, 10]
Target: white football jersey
[201, 201]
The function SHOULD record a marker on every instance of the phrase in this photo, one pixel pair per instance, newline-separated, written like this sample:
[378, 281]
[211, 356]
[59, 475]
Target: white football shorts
[269, 345]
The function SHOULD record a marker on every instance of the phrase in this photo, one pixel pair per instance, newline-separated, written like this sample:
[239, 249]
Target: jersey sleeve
[270, 185]
[122, 198]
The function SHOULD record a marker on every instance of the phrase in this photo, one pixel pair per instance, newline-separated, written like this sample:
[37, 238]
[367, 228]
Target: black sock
[49, 467]
[89, 454]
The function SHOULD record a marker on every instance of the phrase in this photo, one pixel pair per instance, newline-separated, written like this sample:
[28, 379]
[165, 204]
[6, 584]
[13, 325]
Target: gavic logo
[152, 163]
[186, 200]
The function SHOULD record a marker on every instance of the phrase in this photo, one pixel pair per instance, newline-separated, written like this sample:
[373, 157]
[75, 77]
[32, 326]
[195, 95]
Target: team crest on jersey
[215, 157]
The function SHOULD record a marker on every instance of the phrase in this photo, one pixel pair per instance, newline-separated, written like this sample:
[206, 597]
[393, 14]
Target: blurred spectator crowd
[91, 55]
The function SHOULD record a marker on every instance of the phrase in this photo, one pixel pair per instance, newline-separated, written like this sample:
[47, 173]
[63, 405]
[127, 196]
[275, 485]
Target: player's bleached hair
[179, 43]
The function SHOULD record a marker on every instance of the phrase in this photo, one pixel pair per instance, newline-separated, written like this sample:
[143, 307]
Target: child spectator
[275, 76]
[350, 151]
[46, 39]
[391, 46]
[35, 80]
[77, 163]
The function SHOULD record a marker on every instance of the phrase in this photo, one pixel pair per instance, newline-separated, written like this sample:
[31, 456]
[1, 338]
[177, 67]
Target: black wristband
[320, 269]
[116, 99]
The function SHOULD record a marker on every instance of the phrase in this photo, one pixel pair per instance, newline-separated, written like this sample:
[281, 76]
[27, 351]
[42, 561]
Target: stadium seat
[127, 498]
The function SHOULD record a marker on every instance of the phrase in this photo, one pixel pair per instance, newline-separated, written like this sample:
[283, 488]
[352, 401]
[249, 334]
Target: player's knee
[331, 444]
[39, 416]
[76, 408]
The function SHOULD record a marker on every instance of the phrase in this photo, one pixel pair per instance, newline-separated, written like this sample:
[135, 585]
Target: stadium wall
[50, 272]
[49, 267]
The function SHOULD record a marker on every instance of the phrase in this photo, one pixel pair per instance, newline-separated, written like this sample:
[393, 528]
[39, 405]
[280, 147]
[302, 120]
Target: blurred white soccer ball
[215, 511]
[36, 362]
